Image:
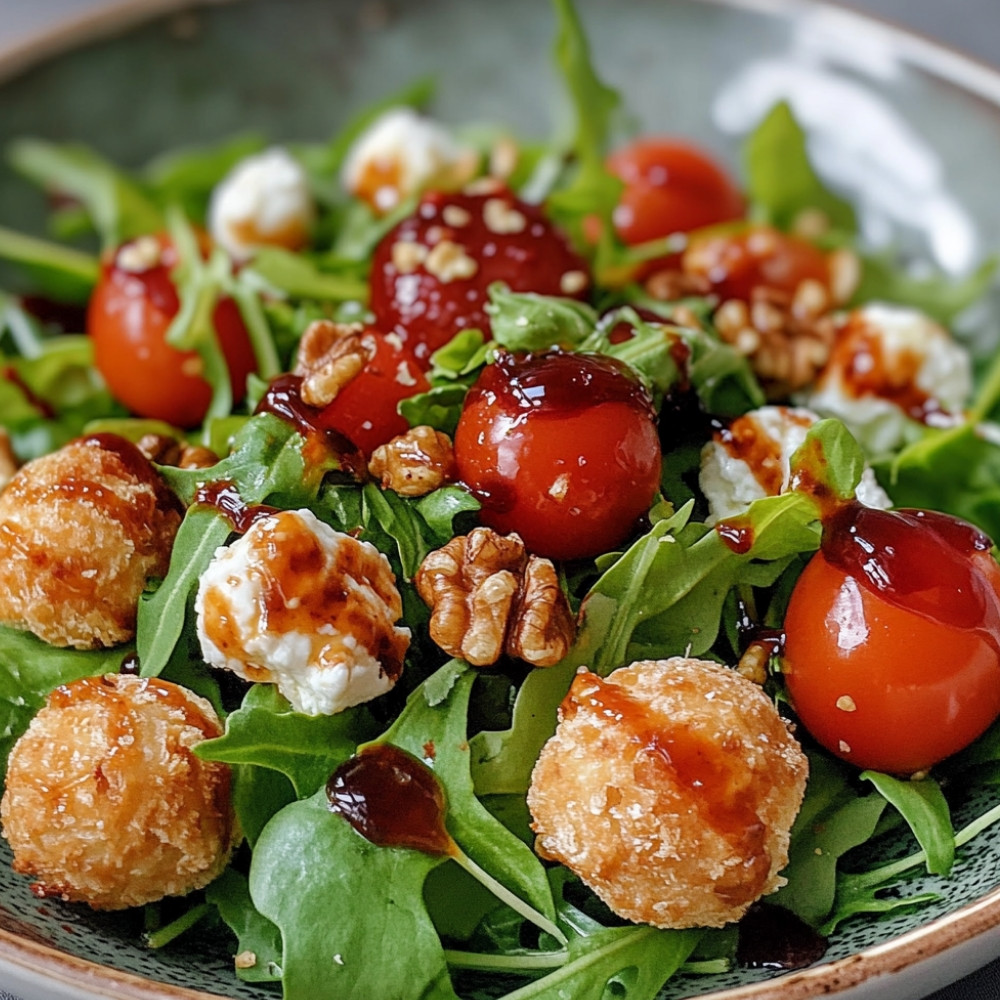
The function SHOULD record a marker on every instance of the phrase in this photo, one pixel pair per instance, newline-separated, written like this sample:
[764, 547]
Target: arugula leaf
[628, 962]
[781, 181]
[118, 206]
[923, 805]
[956, 470]
[264, 731]
[592, 190]
[298, 276]
[65, 273]
[525, 321]
[942, 297]
[833, 820]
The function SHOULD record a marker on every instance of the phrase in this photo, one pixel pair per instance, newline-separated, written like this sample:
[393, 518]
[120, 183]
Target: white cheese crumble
[891, 368]
[264, 200]
[295, 603]
[752, 459]
[399, 155]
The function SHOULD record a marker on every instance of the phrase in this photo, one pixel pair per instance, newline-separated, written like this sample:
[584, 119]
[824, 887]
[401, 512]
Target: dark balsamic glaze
[922, 561]
[10, 374]
[560, 383]
[283, 399]
[772, 937]
[392, 799]
[225, 498]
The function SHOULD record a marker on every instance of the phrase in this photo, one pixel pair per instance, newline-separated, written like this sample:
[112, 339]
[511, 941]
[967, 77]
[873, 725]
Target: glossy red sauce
[226, 499]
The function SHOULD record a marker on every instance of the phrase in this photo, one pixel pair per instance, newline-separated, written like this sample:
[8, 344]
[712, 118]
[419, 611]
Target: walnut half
[330, 355]
[489, 597]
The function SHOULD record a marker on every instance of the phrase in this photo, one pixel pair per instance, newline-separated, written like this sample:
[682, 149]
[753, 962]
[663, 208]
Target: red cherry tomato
[562, 449]
[366, 410]
[670, 187]
[892, 639]
[734, 262]
[128, 316]
[431, 273]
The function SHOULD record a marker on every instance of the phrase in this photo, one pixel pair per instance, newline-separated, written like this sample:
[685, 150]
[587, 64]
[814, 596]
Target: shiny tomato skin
[880, 685]
[572, 479]
[128, 316]
[366, 410]
[735, 260]
[670, 187]
[431, 273]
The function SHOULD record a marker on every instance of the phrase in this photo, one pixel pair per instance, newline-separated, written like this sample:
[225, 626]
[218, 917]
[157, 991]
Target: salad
[555, 568]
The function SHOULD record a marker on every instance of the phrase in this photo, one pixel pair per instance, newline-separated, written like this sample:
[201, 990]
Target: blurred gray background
[970, 25]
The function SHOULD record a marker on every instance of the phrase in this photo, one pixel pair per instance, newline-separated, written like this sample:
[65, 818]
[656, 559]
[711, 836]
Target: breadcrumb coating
[81, 531]
[105, 802]
[670, 788]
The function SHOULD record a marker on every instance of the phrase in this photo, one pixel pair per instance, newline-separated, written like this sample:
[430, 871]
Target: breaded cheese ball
[297, 604]
[670, 788]
[81, 531]
[891, 369]
[752, 458]
[105, 802]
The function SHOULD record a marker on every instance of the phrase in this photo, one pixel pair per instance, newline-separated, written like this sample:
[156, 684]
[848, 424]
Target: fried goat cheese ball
[297, 604]
[670, 788]
[105, 802]
[81, 531]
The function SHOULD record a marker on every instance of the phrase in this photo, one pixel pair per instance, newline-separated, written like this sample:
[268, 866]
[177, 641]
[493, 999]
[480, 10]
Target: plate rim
[907, 951]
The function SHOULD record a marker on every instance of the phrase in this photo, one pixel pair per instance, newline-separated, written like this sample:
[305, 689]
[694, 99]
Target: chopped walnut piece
[8, 461]
[787, 339]
[330, 355]
[166, 450]
[488, 598]
[415, 463]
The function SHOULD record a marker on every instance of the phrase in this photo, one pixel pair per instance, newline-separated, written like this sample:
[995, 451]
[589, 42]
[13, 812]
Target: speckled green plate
[910, 130]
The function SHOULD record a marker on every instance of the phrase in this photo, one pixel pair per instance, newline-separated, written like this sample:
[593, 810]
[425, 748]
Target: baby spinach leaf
[257, 936]
[352, 918]
[781, 181]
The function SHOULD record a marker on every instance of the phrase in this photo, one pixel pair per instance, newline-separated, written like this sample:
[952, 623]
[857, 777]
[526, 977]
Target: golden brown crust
[670, 788]
[81, 530]
[107, 804]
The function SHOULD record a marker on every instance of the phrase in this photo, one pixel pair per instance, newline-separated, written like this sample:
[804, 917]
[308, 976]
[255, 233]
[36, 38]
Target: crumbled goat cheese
[399, 155]
[297, 604]
[265, 200]
[751, 459]
[891, 367]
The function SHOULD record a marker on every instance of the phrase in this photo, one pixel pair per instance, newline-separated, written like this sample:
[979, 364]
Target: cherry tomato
[431, 273]
[892, 639]
[128, 316]
[560, 448]
[366, 410]
[735, 261]
[670, 187]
